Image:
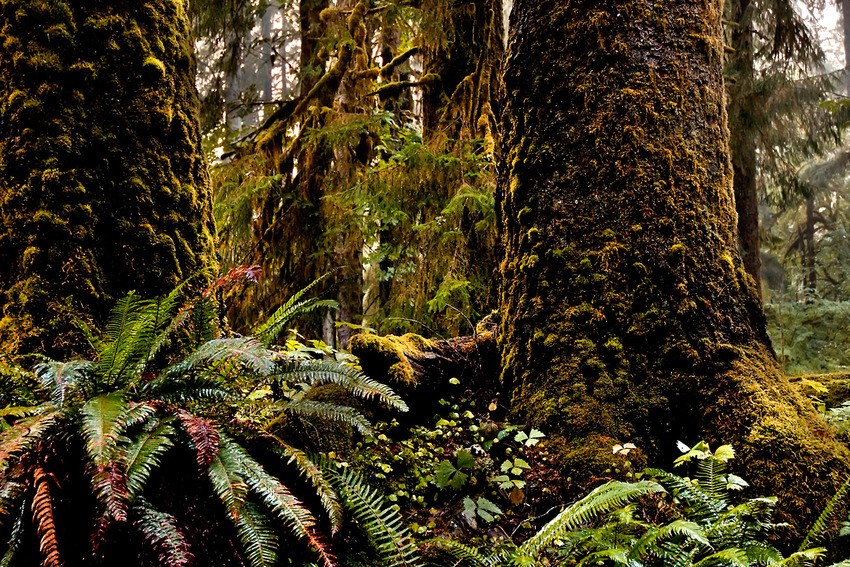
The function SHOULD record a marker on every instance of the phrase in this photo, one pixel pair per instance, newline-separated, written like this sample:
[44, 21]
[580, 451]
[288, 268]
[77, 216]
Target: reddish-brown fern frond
[205, 437]
[42, 509]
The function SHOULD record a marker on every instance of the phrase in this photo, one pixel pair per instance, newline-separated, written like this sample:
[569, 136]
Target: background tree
[626, 311]
[103, 186]
[379, 165]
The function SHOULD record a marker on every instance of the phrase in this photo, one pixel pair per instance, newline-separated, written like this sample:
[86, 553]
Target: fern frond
[314, 473]
[57, 377]
[462, 555]
[161, 530]
[306, 409]
[700, 506]
[689, 532]
[102, 423]
[144, 454]
[601, 500]
[729, 556]
[164, 319]
[316, 372]
[127, 339]
[278, 498]
[14, 538]
[268, 331]
[257, 536]
[25, 434]
[11, 494]
[204, 435]
[246, 352]
[382, 524]
[818, 530]
[42, 509]
[616, 556]
[227, 483]
[805, 558]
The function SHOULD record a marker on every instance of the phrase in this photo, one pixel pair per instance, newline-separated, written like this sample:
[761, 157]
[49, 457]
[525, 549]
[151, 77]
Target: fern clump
[663, 520]
[167, 402]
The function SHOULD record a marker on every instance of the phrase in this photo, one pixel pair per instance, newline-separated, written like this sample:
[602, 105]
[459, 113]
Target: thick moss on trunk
[627, 313]
[103, 187]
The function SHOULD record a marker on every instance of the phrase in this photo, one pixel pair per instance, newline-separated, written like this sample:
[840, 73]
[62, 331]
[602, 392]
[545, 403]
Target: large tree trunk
[626, 311]
[103, 187]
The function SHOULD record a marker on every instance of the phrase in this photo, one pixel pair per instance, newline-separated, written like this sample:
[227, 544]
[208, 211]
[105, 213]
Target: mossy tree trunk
[103, 187]
[627, 315]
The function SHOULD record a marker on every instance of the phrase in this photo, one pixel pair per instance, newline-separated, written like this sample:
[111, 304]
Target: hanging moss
[627, 313]
[103, 187]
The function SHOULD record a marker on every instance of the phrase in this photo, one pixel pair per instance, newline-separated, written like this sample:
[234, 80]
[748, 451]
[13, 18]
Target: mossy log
[627, 315]
[103, 186]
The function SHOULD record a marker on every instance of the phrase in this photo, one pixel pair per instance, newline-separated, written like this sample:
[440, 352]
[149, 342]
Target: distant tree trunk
[626, 311]
[311, 69]
[741, 64]
[845, 15]
[103, 186]
[466, 64]
[810, 278]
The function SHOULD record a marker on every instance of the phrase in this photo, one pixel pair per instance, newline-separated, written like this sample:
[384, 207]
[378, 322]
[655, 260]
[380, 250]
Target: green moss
[70, 177]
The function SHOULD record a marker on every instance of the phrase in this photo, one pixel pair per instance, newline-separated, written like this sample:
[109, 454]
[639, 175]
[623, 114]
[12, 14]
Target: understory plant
[663, 520]
[154, 449]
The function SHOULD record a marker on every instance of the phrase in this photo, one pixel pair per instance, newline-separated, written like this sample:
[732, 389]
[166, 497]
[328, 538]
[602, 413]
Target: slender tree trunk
[741, 64]
[810, 278]
[845, 14]
[103, 186]
[626, 311]
[312, 67]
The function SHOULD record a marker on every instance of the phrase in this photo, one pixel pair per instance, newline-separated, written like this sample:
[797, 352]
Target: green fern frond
[689, 534]
[462, 555]
[315, 474]
[58, 377]
[601, 500]
[11, 494]
[126, 341]
[160, 529]
[316, 372]
[818, 530]
[711, 475]
[323, 410]
[144, 454]
[725, 557]
[102, 423]
[805, 558]
[246, 352]
[268, 331]
[700, 506]
[257, 536]
[614, 556]
[382, 524]
[276, 497]
[227, 482]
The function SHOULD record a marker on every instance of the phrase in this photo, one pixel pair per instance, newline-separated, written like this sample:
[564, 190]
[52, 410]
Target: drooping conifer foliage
[381, 165]
[103, 186]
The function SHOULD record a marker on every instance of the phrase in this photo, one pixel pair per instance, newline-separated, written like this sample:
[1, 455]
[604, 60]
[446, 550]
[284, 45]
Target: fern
[258, 537]
[323, 410]
[102, 422]
[601, 500]
[161, 530]
[144, 454]
[462, 554]
[382, 524]
[42, 509]
[268, 331]
[58, 377]
[277, 498]
[315, 474]
[315, 373]
[818, 529]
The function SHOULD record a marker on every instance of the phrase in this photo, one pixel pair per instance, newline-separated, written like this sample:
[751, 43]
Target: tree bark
[626, 311]
[312, 67]
[103, 186]
[741, 64]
